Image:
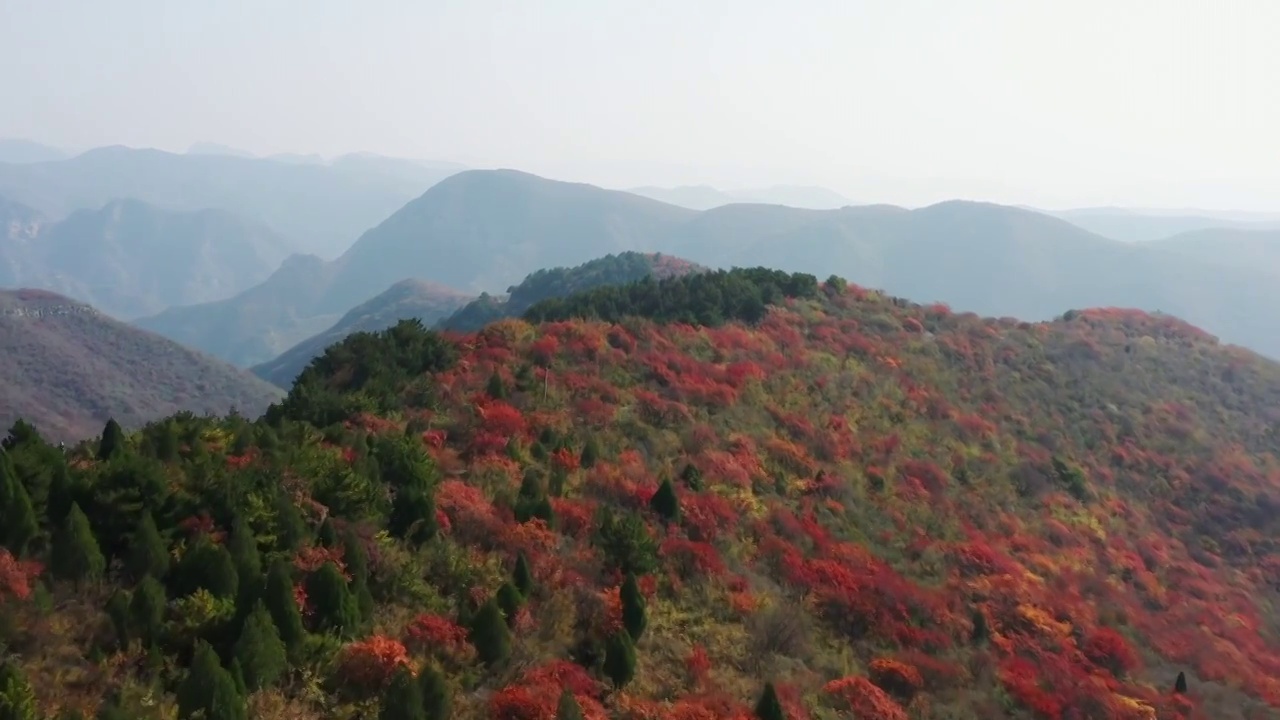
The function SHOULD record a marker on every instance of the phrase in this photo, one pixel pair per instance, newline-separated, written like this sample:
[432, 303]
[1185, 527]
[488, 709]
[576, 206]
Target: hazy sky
[1050, 102]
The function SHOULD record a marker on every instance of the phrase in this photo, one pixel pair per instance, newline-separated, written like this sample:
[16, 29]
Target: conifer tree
[769, 708]
[62, 493]
[245, 555]
[260, 651]
[111, 443]
[290, 528]
[413, 514]
[497, 389]
[17, 699]
[335, 607]
[403, 699]
[210, 689]
[118, 612]
[527, 500]
[1180, 685]
[568, 707]
[146, 610]
[356, 557]
[522, 576]
[75, 555]
[18, 523]
[510, 601]
[980, 631]
[620, 659]
[436, 701]
[280, 602]
[590, 453]
[148, 552]
[490, 635]
[665, 503]
[634, 617]
[559, 477]
[327, 536]
[208, 566]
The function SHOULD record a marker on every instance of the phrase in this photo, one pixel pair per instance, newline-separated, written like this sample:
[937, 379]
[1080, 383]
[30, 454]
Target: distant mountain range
[129, 258]
[481, 230]
[68, 368]
[705, 197]
[1148, 225]
[320, 207]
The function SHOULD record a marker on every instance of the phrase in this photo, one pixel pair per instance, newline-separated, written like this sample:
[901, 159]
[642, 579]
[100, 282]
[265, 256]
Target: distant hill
[13, 150]
[705, 197]
[1143, 226]
[130, 258]
[1257, 250]
[550, 283]
[68, 368]
[320, 207]
[483, 230]
[406, 299]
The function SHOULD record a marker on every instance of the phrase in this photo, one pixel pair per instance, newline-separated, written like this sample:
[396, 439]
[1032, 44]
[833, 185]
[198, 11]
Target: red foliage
[1108, 649]
[896, 678]
[368, 665]
[698, 663]
[565, 459]
[16, 576]
[867, 701]
[693, 559]
[313, 557]
[432, 633]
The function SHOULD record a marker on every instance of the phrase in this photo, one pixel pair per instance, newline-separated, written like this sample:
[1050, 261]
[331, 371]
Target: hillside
[13, 150]
[625, 267]
[1232, 247]
[318, 207]
[406, 299]
[130, 258]
[1139, 226]
[705, 197]
[69, 369]
[493, 226]
[830, 501]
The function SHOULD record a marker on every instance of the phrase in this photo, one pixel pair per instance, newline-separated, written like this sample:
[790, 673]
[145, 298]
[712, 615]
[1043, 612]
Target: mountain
[209, 148]
[750, 491]
[68, 368]
[705, 197]
[406, 299]
[1144, 226]
[129, 258]
[1234, 247]
[318, 207]
[550, 283]
[17, 151]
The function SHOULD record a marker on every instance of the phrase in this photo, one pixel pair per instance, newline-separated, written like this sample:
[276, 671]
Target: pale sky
[1055, 103]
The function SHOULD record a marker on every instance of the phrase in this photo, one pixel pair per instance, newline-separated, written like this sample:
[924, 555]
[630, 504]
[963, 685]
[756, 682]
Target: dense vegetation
[851, 504]
[619, 269]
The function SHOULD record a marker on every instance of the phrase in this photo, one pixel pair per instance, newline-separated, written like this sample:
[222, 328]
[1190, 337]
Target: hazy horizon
[1084, 105]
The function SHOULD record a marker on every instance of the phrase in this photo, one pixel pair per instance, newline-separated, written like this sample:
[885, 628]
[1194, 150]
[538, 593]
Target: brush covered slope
[619, 269]
[820, 503]
[69, 368]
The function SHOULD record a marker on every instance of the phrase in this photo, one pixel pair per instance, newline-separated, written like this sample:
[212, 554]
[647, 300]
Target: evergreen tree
[118, 612]
[522, 576]
[528, 500]
[148, 552]
[568, 707]
[980, 631]
[76, 556]
[356, 557]
[692, 477]
[413, 514]
[17, 700]
[146, 610]
[769, 708]
[436, 702]
[403, 699]
[490, 635]
[245, 555]
[166, 442]
[282, 605]
[1180, 685]
[111, 710]
[62, 493]
[209, 566]
[510, 601]
[335, 607]
[327, 536]
[260, 651]
[18, 523]
[634, 617]
[290, 528]
[210, 689]
[590, 453]
[627, 542]
[620, 659]
[559, 477]
[497, 389]
[665, 503]
[112, 442]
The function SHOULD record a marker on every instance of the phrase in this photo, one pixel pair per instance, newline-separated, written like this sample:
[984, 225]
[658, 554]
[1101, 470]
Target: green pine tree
[62, 493]
[510, 601]
[568, 707]
[522, 576]
[620, 659]
[245, 555]
[356, 557]
[335, 607]
[403, 699]
[327, 536]
[1180, 684]
[209, 566]
[17, 699]
[692, 477]
[280, 602]
[497, 389]
[209, 689]
[118, 612]
[490, 635]
[665, 503]
[437, 704]
[768, 708]
[260, 651]
[634, 617]
[75, 555]
[148, 552]
[112, 443]
[18, 523]
[146, 610]
[413, 514]
[627, 543]
[290, 528]
[590, 453]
